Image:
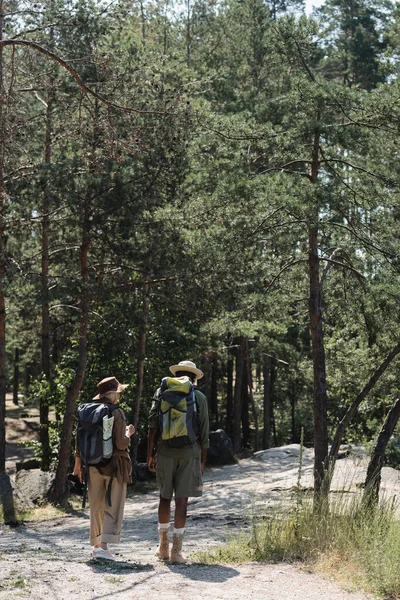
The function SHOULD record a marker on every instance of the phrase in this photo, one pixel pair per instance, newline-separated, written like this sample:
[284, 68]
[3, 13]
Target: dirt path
[50, 560]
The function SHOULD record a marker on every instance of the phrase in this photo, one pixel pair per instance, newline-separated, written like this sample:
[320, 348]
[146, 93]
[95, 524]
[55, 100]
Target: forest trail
[51, 559]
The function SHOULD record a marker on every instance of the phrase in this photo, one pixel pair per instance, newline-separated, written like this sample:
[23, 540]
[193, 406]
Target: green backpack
[177, 412]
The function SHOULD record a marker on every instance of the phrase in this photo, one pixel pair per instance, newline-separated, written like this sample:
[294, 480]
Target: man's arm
[151, 449]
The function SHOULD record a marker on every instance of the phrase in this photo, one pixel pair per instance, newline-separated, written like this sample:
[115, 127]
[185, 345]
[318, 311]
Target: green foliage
[191, 173]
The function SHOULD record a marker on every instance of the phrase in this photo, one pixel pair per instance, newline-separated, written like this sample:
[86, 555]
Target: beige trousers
[105, 520]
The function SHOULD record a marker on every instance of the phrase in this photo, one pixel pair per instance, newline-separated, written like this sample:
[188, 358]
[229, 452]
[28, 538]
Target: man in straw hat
[179, 470]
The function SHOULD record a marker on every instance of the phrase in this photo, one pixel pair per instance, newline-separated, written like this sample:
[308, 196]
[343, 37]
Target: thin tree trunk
[373, 478]
[59, 490]
[6, 498]
[293, 414]
[251, 396]
[140, 369]
[318, 356]
[229, 396]
[317, 337]
[352, 410]
[267, 402]
[237, 398]
[245, 404]
[2, 257]
[272, 398]
[44, 408]
[143, 19]
[188, 34]
[16, 377]
[214, 392]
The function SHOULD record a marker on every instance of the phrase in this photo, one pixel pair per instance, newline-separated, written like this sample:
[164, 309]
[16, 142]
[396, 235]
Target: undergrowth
[358, 543]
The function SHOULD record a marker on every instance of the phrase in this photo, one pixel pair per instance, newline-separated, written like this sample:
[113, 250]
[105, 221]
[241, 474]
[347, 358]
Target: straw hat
[107, 385]
[186, 365]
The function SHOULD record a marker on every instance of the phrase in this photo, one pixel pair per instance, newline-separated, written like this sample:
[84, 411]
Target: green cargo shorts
[182, 476]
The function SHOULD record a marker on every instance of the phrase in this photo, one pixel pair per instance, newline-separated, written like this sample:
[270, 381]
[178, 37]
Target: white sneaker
[101, 553]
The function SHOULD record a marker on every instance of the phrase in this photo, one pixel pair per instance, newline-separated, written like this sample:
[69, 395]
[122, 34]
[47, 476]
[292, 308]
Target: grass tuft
[359, 544]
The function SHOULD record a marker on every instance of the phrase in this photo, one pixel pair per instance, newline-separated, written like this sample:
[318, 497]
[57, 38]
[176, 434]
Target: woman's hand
[78, 468]
[130, 430]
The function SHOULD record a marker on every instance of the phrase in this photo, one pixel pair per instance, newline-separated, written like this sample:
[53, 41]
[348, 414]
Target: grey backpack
[94, 433]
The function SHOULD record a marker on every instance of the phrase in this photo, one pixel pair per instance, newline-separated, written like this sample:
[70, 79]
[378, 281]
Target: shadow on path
[203, 572]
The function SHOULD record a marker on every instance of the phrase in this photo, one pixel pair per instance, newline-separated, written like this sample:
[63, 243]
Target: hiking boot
[176, 550]
[163, 547]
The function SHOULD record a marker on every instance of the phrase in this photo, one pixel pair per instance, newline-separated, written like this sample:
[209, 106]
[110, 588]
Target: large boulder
[7, 500]
[220, 451]
[142, 473]
[32, 487]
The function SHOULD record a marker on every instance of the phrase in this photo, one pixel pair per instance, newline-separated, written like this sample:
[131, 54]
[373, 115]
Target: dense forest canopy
[209, 180]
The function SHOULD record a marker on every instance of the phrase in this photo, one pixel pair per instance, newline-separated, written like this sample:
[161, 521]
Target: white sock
[163, 526]
[180, 531]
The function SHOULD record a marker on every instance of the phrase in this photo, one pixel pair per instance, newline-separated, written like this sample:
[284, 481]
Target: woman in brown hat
[106, 509]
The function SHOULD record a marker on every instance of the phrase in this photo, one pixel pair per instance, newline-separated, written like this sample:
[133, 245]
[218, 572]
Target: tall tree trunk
[140, 369]
[188, 34]
[318, 356]
[251, 395]
[44, 408]
[214, 392]
[272, 400]
[237, 398]
[373, 478]
[317, 337]
[59, 490]
[6, 498]
[267, 402]
[293, 399]
[3, 199]
[143, 20]
[16, 377]
[245, 404]
[229, 397]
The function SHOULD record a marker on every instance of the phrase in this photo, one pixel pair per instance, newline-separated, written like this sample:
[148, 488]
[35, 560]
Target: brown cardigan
[120, 466]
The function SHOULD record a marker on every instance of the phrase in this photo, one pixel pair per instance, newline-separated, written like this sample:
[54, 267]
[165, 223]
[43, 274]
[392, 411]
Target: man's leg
[164, 517]
[180, 512]
[164, 510]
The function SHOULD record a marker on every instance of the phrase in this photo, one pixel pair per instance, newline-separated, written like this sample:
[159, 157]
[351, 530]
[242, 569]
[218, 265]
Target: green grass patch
[358, 544]
[41, 513]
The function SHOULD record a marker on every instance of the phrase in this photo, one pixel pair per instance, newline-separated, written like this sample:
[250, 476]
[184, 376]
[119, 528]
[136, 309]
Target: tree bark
[250, 394]
[229, 396]
[2, 257]
[317, 337]
[293, 399]
[59, 491]
[373, 478]
[318, 357]
[272, 399]
[214, 392]
[44, 408]
[245, 404]
[237, 398]
[16, 377]
[140, 369]
[267, 402]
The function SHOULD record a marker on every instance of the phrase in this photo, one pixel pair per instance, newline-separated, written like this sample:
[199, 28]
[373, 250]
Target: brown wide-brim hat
[107, 385]
[186, 365]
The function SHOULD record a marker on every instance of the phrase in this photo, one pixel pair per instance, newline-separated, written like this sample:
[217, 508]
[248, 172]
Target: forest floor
[51, 559]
